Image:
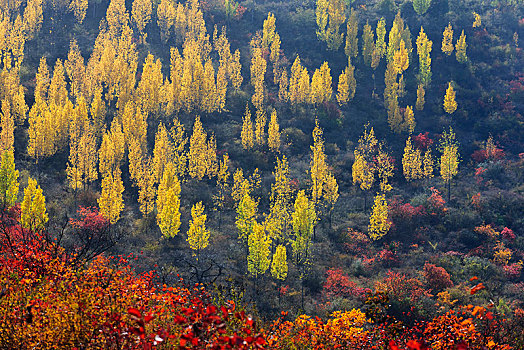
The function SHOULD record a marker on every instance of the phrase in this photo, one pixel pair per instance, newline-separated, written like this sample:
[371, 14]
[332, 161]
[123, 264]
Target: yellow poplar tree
[380, 43]
[198, 234]
[141, 11]
[260, 125]
[168, 202]
[8, 180]
[409, 119]
[384, 168]
[273, 139]
[258, 253]
[219, 198]
[246, 217]
[258, 71]
[79, 9]
[33, 211]
[304, 219]
[449, 159]
[111, 202]
[179, 143]
[330, 15]
[428, 163]
[368, 44]
[330, 195]
[321, 89]
[146, 187]
[7, 123]
[447, 40]
[450, 105]
[351, 48]
[412, 162]
[163, 152]
[283, 87]
[279, 264]
[318, 167]
[76, 70]
[378, 222]
[197, 151]
[346, 84]
[424, 50]
[460, 48]
[247, 135]
[148, 91]
[166, 15]
[419, 105]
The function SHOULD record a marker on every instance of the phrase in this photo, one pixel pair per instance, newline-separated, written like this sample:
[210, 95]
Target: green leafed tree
[8, 180]
[421, 6]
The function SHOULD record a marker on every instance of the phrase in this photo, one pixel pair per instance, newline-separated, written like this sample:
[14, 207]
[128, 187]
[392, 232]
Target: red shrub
[512, 271]
[436, 204]
[422, 141]
[437, 277]
[338, 284]
[508, 234]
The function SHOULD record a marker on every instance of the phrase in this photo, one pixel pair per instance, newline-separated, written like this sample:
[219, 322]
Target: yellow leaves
[330, 15]
[343, 87]
[258, 257]
[8, 180]
[166, 15]
[246, 216]
[247, 134]
[428, 164]
[268, 31]
[260, 125]
[7, 123]
[79, 9]
[450, 105]
[279, 264]
[447, 40]
[304, 219]
[148, 91]
[273, 140]
[384, 168]
[33, 210]
[141, 11]
[419, 105]
[368, 44]
[299, 89]
[81, 168]
[321, 89]
[478, 20]
[168, 202]
[258, 71]
[502, 255]
[351, 48]
[378, 222]
[198, 235]
[111, 202]
[424, 49]
[409, 119]
[449, 159]
[318, 165]
[202, 154]
[460, 48]
[146, 189]
[412, 162]
[401, 58]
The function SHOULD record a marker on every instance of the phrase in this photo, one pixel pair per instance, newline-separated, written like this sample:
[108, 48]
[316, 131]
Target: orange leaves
[477, 288]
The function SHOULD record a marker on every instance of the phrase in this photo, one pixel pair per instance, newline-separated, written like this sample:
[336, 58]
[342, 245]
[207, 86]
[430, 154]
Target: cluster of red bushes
[47, 301]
